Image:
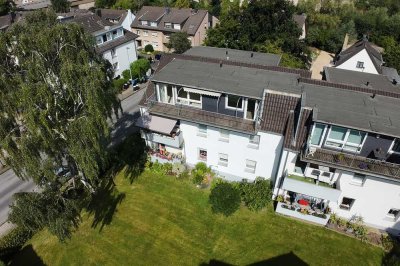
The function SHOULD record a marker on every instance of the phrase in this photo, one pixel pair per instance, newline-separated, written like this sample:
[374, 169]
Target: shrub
[184, 175]
[256, 195]
[199, 173]
[178, 168]
[387, 242]
[13, 241]
[149, 48]
[119, 83]
[224, 198]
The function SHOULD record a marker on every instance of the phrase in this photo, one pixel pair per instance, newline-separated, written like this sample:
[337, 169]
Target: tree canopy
[60, 6]
[56, 95]
[138, 69]
[6, 6]
[179, 42]
[251, 27]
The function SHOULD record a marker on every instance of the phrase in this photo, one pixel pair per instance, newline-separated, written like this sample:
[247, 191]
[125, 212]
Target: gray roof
[237, 80]
[91, 23]
[264, 59]
[354, 109]
[128, 37]
[361, 79]
[190, 18]
[391, 73]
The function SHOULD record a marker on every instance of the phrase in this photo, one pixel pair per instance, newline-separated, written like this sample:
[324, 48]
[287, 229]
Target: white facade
[372, 200]
[361, 62]
[238, 149]
[130, 17]
[119, 58]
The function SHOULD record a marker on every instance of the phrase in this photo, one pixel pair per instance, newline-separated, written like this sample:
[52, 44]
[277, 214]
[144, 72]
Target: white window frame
[344, 141]
[234, 108]
[168, 25]
[322, 137]
[250, 169]
[100, 37]
[224, 135]
[360, 64]
[254, 144]
[117, 66]
[187, 101]
[391, 151]
[356, 181]
[145, 33]
[247, 107]
[154, 44]
[154, 34]
[200, 157]
[153, 24]
[144, 22]
[392, 216]
[345, 207]
[176, 26]
[223, 159]
[201, 132]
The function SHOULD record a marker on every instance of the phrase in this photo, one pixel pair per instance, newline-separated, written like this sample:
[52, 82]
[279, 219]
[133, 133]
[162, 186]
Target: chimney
[373, 95]
[394, 82]
[98, 12]
[252, 54]
[220, 63]
[367, 84]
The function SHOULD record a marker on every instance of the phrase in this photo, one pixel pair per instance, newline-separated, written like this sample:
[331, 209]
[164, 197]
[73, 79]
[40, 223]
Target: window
[177, 26]
[224, 135]
[317, 134]
[360, 64]
[188, 98]
[393, 214]
[165, 93]
[153, 24]
[254, 141]
[138, 32]
[202, 131]
[113, 53]
[233, 102]
[104, 38]
[145, 33]
[347, 203]
[250, 166]
[155, 44]
[115, 66]
[251, 109]
[203, 154]
[223, 159]
[99, 40]
[154, 34]
[109, 36]
[167, 25]
[346, 139]
[358, 180]
[144, 22]
[395, 148]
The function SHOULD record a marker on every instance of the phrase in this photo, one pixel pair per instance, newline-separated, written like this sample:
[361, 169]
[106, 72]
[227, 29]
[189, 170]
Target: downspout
[219, 97]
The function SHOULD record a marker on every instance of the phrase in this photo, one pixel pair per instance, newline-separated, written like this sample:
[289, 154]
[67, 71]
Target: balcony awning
[311, 189]
[209, 93]
[156, 123]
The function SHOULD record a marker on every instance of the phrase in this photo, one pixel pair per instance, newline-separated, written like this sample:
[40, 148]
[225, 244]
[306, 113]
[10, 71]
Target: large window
[166, 93]
[346, 139]
[233, 102]
[395, 148]
[251, 109]
[317, 134]
[189, 98]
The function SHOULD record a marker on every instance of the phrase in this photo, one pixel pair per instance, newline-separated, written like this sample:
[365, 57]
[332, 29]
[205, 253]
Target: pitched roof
[375, 55]
[264, 59]
[361, 79]
[91, 22]
[128, 37]
[190, 18]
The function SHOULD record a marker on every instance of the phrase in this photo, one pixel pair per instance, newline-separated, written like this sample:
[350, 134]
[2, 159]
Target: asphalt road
[11, 184]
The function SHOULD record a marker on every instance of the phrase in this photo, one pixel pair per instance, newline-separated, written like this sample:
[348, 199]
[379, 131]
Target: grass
[160, 220]
[309, 180]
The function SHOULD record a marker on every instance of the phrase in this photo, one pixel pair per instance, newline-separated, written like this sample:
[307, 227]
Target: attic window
[167, 25]
[360, 64]
[153, 24]
[144, 22]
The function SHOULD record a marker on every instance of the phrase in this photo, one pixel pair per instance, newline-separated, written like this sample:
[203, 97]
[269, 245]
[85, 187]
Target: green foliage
[179, 42]
[13, 241]
[6, 6]
[182, 3]
[224, 198]
[256, 195]
[138, 68]
[126, 74]
[60, 116]
[104, 3]
[60, 6]
[149, 48]
[161, 168]
[133, 5]
[178, 169]
[119, 83]
[387, 242]
[199, 173]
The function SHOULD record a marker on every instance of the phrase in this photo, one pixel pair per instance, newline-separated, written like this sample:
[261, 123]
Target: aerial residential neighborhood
[184, 132]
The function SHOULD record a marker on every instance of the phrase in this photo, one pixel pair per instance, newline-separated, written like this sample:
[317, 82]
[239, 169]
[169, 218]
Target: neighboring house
[117, 16]
[116, 44]
[154, 25]
[362, 56]
[40, 4]
[301, 22]
[323, 144]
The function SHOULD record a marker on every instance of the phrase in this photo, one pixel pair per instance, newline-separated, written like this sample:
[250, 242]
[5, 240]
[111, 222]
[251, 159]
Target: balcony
[175, 140]
[201, 116]
[301, 213]
[351, 162]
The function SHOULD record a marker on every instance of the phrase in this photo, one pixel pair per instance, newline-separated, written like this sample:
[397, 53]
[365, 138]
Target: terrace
[349, 161]
[198, 115]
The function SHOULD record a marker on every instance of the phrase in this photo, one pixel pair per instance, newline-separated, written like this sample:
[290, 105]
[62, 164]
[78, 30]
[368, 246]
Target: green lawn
[164, 221]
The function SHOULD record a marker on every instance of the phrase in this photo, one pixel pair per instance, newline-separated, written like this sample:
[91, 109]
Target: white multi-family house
[113, 41]
[327, 147]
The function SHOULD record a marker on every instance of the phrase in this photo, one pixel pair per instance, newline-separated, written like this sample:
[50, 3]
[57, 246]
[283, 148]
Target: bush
[387, 242]
[256, 195]
[119, 83]
[13, 241]
[149, 48]
[200, 172]
[224, 198]
[178, 168]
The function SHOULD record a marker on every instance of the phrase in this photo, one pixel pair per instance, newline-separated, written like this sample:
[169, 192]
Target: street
[11, 184]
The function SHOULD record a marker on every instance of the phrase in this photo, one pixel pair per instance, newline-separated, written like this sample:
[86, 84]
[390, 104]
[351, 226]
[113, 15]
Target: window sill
[202, 159]
[224, 140]
[251, 171]
[253, 146]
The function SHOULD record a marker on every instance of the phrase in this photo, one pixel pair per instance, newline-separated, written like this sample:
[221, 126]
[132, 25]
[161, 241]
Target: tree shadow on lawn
[27, 256]
[104, 204]
[284, 259]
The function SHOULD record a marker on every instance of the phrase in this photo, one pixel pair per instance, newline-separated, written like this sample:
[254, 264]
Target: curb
[127, 95]
[4, 169]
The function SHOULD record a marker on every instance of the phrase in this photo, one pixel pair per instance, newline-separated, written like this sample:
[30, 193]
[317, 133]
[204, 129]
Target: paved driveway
[323, 59]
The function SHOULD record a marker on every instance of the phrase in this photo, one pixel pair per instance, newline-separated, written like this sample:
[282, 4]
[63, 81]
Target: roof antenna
[373, 95]
[220, 63]
[252, 54]
[367, 84]
[226, 52]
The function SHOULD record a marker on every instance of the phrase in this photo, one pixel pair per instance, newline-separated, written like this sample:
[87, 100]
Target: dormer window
[177, 26]
[153, 24]
[167, 25]
[99, 40]
[395, 148]
[360, 64]
[144, 22]
[234, 102]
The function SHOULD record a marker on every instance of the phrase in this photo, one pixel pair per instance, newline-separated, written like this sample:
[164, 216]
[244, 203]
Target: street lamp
[129, 63]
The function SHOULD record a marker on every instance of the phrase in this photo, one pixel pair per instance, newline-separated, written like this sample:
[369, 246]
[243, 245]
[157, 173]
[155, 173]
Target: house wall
[373, 199]
[130, 17]
[201, 32]
[156, 41]
[287, 162]
[266, 156]
[362, 56]
[121, 56]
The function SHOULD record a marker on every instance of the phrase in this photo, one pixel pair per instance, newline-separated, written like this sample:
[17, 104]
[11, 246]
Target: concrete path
[317, 67]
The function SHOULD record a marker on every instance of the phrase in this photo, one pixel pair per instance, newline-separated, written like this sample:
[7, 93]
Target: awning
[311, 189]
[156, 123]
[209, 93]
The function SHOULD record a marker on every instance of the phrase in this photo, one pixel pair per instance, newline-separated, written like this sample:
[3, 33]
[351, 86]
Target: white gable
[362, 56]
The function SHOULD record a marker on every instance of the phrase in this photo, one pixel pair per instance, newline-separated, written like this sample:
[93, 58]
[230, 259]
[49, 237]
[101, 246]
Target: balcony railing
[353, 162]
[175, 141]
[201, 116]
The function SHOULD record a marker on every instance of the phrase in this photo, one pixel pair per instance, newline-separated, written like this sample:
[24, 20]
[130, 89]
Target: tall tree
[60, 6]
[182, 3]
[6, 6]
[56, 94]
[179, 42]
